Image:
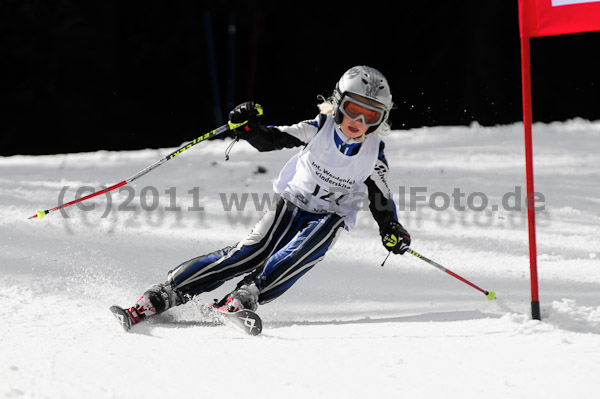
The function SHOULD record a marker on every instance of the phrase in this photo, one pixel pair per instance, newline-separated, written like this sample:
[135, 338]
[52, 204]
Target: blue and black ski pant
[285, 244]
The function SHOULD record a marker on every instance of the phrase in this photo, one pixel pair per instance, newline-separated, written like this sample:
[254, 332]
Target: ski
[247, 320]
[122, 317]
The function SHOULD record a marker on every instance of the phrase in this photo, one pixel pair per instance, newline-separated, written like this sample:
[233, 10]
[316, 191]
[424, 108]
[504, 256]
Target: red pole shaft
[527, 122]
[94, 194]
[442, 268]
[465, 281]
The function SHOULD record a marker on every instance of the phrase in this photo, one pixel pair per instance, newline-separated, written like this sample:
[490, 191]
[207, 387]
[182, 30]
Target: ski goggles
[355, 110]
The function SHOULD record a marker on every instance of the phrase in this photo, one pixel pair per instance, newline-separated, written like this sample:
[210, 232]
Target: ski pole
[488, 294]
[229, 126]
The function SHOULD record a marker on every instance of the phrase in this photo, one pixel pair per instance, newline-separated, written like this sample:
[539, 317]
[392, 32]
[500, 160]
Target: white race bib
[322, 179]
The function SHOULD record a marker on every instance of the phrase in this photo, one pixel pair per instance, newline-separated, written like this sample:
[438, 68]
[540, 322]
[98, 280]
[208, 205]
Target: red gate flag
[545, 18]
[558, 17]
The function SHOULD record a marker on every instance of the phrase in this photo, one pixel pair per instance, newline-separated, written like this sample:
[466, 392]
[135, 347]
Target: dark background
[91, 75]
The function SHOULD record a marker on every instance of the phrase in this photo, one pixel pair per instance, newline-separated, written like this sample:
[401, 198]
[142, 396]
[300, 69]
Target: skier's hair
[326, 107]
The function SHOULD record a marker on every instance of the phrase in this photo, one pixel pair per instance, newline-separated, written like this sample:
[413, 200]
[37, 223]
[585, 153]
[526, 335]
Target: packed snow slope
[349, 328]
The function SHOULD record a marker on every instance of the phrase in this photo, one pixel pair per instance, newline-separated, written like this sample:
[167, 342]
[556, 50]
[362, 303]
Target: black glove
[395, 238]
[246, 112]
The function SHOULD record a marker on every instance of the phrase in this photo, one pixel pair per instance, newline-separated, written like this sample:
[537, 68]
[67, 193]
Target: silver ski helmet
[366, 82]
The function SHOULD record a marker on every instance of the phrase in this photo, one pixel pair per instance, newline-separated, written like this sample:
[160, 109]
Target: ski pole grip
[259, 112]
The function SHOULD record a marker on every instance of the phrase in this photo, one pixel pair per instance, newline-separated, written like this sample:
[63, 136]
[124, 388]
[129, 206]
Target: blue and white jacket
[318, 180]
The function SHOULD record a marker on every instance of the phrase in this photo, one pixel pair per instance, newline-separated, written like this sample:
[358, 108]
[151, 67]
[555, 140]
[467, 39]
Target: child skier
[320, 192]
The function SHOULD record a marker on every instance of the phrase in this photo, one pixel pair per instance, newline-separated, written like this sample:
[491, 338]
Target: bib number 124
[330, 196]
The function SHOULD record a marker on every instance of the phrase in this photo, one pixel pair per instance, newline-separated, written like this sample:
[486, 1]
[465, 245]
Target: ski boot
[245, 297]
[156, 299]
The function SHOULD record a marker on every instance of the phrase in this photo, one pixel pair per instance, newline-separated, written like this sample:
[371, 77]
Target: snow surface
[348, 329]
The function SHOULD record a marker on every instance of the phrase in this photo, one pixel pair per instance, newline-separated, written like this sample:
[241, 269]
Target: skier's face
[353, 129]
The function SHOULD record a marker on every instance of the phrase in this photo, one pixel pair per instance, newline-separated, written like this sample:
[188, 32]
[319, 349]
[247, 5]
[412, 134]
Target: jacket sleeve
[381, 203]
[270, 138]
